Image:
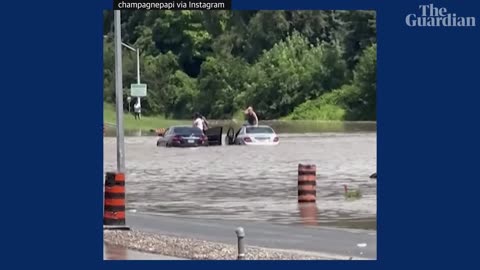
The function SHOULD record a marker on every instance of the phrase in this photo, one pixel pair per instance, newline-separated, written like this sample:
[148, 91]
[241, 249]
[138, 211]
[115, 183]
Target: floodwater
[256, 183]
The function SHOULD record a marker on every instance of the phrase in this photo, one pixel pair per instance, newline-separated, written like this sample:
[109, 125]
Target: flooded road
[252, 183]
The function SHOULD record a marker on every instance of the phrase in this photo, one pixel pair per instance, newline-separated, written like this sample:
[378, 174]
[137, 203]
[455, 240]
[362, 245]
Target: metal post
[241, 244]
[138, 65]
[138, 76]
[119, 93]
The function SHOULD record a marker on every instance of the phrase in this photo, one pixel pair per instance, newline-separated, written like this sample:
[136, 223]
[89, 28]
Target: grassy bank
[309, 117]
[146, 123]
[332, 106]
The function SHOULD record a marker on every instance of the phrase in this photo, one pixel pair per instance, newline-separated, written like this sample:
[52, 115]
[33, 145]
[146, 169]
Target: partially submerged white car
[253, 135]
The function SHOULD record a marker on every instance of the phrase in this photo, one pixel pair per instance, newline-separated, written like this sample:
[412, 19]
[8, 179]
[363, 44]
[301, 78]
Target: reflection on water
[308, 213]
[253, 183]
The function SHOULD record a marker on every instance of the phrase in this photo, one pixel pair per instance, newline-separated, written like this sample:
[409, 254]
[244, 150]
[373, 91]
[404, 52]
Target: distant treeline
[293, 64]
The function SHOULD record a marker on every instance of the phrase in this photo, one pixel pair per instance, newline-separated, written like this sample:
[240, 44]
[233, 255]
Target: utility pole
[119, 93]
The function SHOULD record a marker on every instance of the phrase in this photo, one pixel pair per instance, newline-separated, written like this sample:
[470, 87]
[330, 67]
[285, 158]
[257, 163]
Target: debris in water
[351, 194]
[362, 245]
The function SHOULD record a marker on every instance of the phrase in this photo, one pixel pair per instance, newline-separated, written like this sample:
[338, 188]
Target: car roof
[259, 126]
[180, 126]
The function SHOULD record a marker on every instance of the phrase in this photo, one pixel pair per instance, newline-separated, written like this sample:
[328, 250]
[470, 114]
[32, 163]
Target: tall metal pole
[119, 93]
[138, 65]
[138, 72]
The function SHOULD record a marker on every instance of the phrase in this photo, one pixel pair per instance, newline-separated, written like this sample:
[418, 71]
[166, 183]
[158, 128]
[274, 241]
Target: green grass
[331, 106]
[324, 112]
[146, 123]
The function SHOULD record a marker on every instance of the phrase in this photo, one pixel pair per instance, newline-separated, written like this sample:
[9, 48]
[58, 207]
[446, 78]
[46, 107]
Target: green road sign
[138, 90]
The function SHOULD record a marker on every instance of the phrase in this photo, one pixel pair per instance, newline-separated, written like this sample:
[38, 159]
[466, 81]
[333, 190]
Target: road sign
[138, 90]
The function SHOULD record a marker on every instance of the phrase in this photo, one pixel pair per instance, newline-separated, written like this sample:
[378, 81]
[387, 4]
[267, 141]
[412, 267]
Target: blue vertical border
[52, 138]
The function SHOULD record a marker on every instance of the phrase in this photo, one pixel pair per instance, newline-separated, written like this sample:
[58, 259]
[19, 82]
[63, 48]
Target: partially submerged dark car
[187, 136]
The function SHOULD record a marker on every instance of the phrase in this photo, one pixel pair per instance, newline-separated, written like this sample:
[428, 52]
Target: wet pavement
[330, 242]
[121, 253]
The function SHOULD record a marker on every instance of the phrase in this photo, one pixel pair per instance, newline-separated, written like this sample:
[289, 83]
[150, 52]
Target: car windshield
[187, 131]
[259, 130]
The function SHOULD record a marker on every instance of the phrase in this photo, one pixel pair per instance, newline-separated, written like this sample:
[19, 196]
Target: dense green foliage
[354, 101]
[294, 64]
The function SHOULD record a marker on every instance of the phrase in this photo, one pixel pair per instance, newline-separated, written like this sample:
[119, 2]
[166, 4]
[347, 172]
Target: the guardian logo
[431, 16]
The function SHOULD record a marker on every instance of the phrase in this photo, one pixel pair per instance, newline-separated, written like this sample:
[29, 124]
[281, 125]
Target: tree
[365, 79]
[220, 82]
[314, 63]
[182, 94]
[359, 32]
[291, 72]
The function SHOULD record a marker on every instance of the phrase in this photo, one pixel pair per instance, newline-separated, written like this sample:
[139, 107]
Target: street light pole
[138, 66]
[119, 94]
[137, 50]
[138, 74]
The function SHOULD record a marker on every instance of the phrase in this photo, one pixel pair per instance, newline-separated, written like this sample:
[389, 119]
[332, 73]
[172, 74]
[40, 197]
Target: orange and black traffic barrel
[114, 203]
[307, 183]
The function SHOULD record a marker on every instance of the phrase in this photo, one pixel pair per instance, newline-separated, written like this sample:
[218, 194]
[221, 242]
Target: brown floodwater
[254, 183]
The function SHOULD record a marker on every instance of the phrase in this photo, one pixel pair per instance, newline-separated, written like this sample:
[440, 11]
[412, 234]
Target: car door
[239, 136]
[214, 135]
[162, 140]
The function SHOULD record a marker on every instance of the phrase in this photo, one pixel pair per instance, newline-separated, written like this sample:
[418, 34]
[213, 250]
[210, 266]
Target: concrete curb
[180, 247]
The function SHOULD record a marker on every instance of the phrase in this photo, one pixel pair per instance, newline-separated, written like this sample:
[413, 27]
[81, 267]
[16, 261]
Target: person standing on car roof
[251, 116]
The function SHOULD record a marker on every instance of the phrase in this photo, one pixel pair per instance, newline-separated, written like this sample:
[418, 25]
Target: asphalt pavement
[359, 244]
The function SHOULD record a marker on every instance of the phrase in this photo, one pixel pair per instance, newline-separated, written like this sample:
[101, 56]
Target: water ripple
[251, 183]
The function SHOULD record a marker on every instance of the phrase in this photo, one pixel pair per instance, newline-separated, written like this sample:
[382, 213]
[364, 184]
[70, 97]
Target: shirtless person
[251, 116]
